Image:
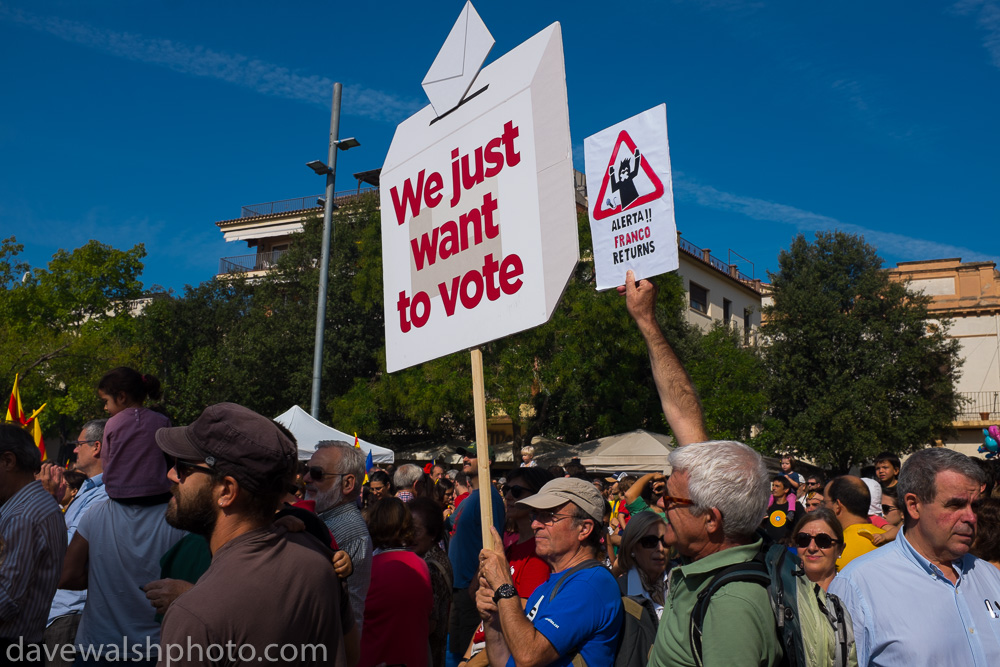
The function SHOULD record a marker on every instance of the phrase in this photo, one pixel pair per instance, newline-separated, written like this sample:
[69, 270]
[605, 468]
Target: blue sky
[146, 122]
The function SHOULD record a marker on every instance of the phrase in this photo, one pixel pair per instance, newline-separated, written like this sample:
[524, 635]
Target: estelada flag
[15, 415]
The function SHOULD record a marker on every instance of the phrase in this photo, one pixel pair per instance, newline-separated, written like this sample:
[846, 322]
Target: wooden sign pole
[482, 447]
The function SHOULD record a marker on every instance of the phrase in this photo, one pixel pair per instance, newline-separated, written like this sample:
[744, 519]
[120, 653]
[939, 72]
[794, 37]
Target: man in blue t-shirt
[463, 550]
[578, 610]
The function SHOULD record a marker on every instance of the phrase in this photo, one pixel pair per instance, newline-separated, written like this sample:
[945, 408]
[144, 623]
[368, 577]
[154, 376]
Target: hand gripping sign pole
[479, 229]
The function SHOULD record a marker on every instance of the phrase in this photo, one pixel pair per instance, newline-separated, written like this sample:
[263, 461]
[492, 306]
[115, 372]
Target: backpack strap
[578, 660]
[753, 571]
[585, 565]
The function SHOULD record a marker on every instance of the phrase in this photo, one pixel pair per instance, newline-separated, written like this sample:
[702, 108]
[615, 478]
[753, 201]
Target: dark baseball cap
[234, 441]
[470, 451]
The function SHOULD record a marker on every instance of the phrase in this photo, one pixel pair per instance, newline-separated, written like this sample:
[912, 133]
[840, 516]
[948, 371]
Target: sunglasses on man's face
[185, 468]
[650, 541]
[517, 491]
[318, 473]
[823, 541]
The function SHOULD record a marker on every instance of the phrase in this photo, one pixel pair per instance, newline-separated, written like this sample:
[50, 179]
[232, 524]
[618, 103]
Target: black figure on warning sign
[624, 185]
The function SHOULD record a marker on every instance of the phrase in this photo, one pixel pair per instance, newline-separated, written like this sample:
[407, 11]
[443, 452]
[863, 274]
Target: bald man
[848, 497]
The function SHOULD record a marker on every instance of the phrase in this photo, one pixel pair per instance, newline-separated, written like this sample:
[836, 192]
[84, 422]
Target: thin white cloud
[987, 15]
[237, 69]
[898, 245]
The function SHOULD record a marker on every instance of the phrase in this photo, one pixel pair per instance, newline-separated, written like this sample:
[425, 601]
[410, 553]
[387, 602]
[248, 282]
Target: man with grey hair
[567, 518]
[34, 545]
[67, 606]
[333, 480]
[923, 598]
[715, 499]
[406, 480]
[716, 496]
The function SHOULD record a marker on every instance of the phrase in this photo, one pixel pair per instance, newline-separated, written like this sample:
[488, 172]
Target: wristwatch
[505, 591]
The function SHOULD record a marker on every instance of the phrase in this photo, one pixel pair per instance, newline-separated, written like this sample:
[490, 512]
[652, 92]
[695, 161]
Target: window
[727, 311]
[699, 298]
[746, 326]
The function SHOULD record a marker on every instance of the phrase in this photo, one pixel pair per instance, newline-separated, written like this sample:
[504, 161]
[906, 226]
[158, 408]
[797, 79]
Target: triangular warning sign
[604, 205]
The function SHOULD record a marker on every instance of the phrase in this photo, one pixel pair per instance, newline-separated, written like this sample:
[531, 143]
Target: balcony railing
[300, 203]
[261, 261]
[979, 403]
[705, 255]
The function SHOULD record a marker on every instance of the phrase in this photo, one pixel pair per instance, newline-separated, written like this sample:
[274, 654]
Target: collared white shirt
[634, 587]
[906, 612]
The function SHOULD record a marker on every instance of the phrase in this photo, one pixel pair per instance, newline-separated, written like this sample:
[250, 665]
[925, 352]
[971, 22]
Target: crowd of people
[211, 543]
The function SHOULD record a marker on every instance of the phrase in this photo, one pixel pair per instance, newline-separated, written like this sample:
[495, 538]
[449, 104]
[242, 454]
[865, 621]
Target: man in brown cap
[232, 466]
[567, 518]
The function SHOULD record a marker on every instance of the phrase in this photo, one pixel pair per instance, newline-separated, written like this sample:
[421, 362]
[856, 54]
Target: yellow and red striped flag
[15, 415]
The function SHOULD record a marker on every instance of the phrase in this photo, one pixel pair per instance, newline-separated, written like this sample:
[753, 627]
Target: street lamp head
[349, 142]
[319, 167]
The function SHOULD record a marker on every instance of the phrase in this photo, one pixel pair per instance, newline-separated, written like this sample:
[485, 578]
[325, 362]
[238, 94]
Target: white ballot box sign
[630, 199]
[479, 231]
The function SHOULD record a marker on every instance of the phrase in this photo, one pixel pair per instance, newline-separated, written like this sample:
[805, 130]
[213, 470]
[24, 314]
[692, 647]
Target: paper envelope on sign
[458, 62]
[479, 227]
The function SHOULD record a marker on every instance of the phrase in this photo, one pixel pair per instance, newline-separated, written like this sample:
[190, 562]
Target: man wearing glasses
[232, 468]
[67, 606]
[333, 480]
[715, 497]
[578, 610]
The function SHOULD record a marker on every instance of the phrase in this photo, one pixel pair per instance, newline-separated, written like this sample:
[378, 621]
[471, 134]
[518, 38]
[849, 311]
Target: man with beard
[232, 468]
[333, 480]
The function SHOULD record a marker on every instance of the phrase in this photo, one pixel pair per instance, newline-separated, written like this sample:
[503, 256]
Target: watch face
[505, 591]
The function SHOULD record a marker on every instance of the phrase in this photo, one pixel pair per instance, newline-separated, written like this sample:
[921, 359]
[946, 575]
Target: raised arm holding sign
[679, 398]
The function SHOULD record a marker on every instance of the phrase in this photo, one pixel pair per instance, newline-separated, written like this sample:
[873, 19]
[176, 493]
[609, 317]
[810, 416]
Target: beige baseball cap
[564, 490]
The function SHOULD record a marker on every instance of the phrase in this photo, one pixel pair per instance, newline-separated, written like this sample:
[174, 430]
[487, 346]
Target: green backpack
[813, 627]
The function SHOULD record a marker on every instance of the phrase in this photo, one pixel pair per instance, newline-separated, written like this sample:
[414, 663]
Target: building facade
[967, 294]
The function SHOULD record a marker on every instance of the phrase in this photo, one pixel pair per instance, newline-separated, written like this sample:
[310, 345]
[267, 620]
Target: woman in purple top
[134, 467]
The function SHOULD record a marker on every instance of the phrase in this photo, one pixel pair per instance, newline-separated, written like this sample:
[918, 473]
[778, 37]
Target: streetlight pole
[324, 266]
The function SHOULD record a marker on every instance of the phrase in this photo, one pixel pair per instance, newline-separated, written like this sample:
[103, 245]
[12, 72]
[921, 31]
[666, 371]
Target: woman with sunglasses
[644, 556]
[819, 540]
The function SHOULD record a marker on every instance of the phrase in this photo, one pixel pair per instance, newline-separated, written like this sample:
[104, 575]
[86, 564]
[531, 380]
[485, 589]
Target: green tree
[730, 378]
[855, 365]
[63, 326]
[251, 341]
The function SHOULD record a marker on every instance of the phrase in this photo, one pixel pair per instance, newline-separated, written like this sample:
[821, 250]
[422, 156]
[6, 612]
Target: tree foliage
[855, 365]
[730, 378]
[252, 341]
[583, 375]
[65, 325]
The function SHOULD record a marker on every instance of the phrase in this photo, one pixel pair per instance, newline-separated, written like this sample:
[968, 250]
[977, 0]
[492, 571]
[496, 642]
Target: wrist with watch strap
[503, 592]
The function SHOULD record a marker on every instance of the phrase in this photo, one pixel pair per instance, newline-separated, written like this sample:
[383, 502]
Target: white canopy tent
[309, 431]
[635, 452]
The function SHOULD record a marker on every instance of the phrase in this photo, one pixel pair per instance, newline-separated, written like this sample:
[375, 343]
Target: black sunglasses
[318, 473]
[823, 541]
[650, 542]
[185, 468]
[888, 508]
[517, 491]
